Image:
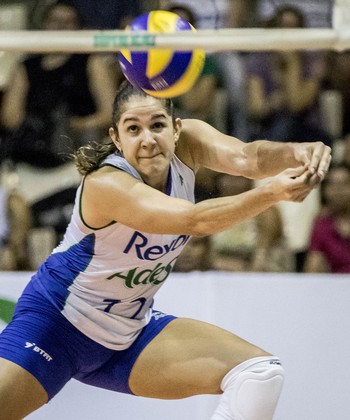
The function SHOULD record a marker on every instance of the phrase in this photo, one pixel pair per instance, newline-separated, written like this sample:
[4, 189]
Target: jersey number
[112, 302]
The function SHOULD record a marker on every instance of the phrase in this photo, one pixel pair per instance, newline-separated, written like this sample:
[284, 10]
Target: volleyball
[162, 73]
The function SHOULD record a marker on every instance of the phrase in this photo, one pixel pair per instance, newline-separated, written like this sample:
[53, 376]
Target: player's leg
[20, 392]
[191, 357]
[39, 353]
[251, 390]
[188, 357]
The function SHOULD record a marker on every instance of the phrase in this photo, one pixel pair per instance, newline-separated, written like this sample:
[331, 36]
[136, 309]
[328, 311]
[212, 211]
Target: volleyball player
[88, 312]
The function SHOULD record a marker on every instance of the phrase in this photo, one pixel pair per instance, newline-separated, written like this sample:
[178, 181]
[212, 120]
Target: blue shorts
[42, 341]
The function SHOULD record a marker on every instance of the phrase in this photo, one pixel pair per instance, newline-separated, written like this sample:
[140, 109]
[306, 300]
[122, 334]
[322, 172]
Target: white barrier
[304, 319]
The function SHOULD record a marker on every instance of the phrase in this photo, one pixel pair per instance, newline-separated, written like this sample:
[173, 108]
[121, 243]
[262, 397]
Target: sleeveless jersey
[104, 280]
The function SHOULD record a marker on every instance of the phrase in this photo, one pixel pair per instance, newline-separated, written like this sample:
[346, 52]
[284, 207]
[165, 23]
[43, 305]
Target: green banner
[124, 41]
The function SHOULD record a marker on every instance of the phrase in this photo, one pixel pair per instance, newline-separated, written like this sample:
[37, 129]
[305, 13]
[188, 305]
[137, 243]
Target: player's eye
[158, 125]
[133, 129]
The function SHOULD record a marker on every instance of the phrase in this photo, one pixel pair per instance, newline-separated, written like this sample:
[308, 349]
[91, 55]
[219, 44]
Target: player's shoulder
[190, 125]
[195, 134]
[194, 131]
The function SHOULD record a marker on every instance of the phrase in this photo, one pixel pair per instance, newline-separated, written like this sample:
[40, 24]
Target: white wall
[305, 320]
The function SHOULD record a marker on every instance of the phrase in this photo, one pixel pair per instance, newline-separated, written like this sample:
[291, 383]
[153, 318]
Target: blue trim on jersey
[62, 268]
[169, 183]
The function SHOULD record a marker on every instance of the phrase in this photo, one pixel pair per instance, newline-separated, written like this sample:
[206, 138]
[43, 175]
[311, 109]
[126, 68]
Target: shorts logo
[37, 349]
[157, 315]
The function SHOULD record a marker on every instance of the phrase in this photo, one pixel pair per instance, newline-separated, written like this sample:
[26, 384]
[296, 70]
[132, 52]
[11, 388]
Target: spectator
[46, 88]
[210, 14]
[233, 68]
[318, 13]
[199, 101]
[329, 250]
[337, 78]
[105, 14]
[303, 217]
[284, 89]
[55, 102]
[257, 244]
[15, 224]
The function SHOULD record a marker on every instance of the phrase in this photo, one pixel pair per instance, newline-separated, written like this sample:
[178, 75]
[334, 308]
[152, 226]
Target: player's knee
[252, 389]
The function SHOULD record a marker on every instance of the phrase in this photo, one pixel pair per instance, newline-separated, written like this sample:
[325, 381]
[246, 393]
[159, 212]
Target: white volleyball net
[243, 39]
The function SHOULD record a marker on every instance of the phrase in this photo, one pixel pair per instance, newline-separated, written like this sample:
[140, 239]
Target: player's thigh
[187, 358]
[20, 392]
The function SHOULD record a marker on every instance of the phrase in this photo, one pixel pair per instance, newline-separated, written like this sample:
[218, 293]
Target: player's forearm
[266, 158]
[215, 215]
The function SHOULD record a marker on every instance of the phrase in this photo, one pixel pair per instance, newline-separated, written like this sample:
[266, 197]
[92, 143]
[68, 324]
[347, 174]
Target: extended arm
[110, 194]
[202, 145]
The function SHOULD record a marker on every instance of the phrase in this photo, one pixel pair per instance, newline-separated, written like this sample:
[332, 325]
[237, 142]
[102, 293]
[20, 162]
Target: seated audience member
[254, 245]
[210, 14]
[284, 88]
[56, 99]
[15, 225]
[318, 13]
[199, 101]
[54, 103]
[107, 14]
[329, 250]
[303, 217]
[232, 65]
[337, 80]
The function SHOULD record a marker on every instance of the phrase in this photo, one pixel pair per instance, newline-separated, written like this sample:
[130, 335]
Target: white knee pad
[251, 390]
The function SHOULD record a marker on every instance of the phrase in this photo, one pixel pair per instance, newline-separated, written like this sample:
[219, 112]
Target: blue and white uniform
[98, 285]
[104, 280]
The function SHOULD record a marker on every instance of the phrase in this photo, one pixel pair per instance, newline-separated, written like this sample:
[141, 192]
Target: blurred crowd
[52, 103]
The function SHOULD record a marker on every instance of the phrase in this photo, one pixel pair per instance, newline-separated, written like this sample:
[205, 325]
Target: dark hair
[289, 9]
[88, 158]
[125, 92]
[46, 12]
[326, 181]
[182, 10]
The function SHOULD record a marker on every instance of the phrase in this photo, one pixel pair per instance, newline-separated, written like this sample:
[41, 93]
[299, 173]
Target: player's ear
[114, 136]
[177, 129]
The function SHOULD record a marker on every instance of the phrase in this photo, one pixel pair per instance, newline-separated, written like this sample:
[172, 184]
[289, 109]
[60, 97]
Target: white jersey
[103, 280]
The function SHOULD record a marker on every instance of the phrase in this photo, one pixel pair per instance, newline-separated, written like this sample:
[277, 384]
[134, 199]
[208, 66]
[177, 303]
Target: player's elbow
[200, 223]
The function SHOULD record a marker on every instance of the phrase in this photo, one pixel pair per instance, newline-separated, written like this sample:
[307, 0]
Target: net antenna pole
[341, 21]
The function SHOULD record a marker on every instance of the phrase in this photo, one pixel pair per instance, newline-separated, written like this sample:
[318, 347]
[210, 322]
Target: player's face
[62, 17]
[337, 189]
[147, 137]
